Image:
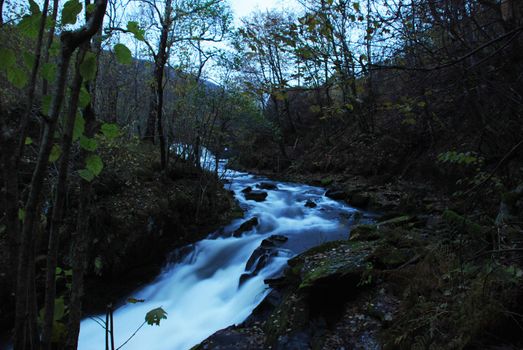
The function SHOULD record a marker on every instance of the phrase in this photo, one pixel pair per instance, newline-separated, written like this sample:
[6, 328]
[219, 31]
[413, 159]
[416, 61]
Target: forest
[322, 174]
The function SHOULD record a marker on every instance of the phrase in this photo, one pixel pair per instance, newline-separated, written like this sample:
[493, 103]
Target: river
[201, 292]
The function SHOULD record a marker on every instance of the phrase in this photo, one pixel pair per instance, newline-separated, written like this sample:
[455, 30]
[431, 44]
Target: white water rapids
[201, 292]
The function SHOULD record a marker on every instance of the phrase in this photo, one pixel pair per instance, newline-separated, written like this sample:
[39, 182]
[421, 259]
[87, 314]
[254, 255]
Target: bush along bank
[139, 215]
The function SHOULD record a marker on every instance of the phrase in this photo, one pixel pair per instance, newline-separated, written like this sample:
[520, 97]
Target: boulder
[267, 186]
[261, 256]
[258, 196]
[247, 189]
[365, 233]
[310, 204]
[246, 226]
[335, 194]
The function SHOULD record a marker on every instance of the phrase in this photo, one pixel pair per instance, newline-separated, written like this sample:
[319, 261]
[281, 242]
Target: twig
[132, 335]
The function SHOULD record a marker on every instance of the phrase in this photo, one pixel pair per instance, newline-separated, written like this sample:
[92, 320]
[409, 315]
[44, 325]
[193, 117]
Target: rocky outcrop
[246, 226]
[331, 296]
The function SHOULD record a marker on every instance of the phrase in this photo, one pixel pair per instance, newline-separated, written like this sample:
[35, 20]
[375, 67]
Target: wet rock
[246, 226]
[247, 189]
[261, 256]
[310, 204]
[267, 186]
[335, 194]
[258, 196]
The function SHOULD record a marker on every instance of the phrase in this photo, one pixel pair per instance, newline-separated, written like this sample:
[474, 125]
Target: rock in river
[246, 226]
[267, 186]
[258, 196]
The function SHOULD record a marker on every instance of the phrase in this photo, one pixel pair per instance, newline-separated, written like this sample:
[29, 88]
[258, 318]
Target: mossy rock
[389, 257]
[365, 233]
[327, 181]
[346, 260]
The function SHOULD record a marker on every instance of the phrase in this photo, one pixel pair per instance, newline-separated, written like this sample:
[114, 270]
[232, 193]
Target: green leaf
[88, 144]
[59, 309]
[90, 8]
[110, 131]
[54, 50]
[70, 11]
[30, 25]
[94, 164]
[356, 6]
[123, 54]
[98, 265]
[56, 151]
[33, 6]
[28, 141]
[134, 28]
[21, 214]
[84, 98]
[46, 104]
[135, 301]
[58, 271]
[7, 58]
[17, 77]
[49, 72]
[79, 126]
[88, 67]
[86, 174]
[154, 316]
[29, 60]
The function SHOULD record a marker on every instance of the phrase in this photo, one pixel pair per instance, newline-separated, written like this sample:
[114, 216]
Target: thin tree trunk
[80, 239]
[58, 207]
[24, 316]
[11, 196]
[1, 13]
[50, 39]
[32, 83]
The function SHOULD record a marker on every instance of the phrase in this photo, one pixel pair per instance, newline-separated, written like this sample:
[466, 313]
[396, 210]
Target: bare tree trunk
[49, 42]
[80, 245]
[156, 107]
[80, 239]
[32, 83]
[11, 195]
[58, 207]
[1, 13]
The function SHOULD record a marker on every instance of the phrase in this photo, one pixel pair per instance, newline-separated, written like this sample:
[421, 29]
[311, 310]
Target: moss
[365, 233]
[339, 264]
[326, 181]
[456, 220]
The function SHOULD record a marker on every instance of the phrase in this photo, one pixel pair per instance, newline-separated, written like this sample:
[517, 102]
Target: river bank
[423, 275]
[139, 217]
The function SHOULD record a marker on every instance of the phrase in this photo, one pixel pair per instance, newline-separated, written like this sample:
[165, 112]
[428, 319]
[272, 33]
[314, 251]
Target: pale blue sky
[243, 8]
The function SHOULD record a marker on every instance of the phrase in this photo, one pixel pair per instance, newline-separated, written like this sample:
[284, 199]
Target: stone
[267, 186]
[246, 226]
[335, 194]
[258, 196]
[310, 204]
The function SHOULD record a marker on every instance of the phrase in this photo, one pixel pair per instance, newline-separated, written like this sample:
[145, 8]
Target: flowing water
[201, 291]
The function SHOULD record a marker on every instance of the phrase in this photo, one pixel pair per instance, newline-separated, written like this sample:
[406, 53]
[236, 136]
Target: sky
[243, 8]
